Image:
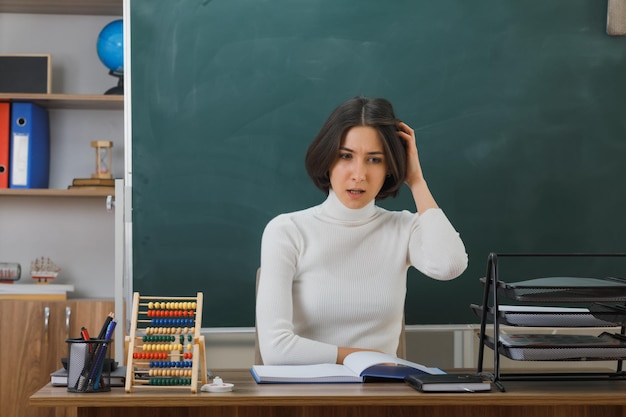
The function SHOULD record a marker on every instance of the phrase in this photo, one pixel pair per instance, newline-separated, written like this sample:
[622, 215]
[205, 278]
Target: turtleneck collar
[334, 209]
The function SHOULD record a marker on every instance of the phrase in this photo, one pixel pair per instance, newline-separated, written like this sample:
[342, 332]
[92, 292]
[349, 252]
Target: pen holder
[86, 370]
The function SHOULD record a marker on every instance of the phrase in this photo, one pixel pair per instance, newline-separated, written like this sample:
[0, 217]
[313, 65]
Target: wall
[71, 40]
[431, 347]
[446, 347]
[75, 233]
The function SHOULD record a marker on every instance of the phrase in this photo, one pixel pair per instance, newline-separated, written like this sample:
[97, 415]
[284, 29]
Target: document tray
[565, 289]
[539, 316]
[561, 347]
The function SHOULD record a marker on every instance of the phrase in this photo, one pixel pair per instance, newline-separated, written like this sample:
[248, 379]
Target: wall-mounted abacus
[165, 347]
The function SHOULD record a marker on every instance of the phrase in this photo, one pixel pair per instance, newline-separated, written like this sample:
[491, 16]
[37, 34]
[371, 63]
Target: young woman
[333, 276]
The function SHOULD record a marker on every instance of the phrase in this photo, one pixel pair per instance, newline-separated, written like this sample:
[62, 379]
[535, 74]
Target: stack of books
[94, 184]
[35, 291]
[59, 377]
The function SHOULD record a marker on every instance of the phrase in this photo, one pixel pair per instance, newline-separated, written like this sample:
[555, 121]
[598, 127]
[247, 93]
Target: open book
[357, 367]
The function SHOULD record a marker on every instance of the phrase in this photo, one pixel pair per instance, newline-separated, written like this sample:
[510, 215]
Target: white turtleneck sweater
[333, 276]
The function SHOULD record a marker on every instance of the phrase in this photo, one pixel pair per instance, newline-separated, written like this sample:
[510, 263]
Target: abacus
[165, 347]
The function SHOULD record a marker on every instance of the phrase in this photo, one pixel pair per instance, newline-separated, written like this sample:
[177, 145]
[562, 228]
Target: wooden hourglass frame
[103, 158]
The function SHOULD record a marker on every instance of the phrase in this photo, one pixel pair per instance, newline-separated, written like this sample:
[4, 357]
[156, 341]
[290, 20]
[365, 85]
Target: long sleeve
[334, 277]
[435, 247]
[280, 248]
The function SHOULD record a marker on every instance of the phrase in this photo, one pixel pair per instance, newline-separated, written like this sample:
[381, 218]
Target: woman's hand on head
[424, 200]
[414, 173]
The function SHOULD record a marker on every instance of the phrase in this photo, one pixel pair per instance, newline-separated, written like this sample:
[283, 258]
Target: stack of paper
[563, 346]
[35, 291]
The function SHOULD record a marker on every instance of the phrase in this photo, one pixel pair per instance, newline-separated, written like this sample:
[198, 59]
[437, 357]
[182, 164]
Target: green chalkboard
[518, 107]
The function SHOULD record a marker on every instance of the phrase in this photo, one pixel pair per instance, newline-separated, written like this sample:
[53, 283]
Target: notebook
[448, 383]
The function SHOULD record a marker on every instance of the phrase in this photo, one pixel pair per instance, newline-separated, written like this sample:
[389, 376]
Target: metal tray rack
[596, 315]
[603, 298]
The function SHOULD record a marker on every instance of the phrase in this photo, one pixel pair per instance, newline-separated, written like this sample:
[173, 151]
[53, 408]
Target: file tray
[565, 289]
[540, 316]
[609, 312]
[562, 347]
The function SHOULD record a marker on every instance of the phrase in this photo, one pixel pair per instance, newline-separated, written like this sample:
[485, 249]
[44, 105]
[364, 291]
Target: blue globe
[111, 46]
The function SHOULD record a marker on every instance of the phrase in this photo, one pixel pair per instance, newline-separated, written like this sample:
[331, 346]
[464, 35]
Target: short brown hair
[359, 111]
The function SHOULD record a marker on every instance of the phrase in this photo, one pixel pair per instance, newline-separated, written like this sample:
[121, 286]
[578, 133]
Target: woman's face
[359, 172]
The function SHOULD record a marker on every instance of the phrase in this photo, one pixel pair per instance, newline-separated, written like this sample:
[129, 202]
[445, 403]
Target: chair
[258, 360]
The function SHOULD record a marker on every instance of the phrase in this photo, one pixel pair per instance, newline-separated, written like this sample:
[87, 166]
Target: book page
[301, 373]
[359, 361]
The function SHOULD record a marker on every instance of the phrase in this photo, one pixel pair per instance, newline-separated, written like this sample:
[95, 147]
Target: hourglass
[103, 158]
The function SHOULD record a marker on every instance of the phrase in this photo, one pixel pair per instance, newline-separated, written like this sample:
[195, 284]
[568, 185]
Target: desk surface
[570, 396]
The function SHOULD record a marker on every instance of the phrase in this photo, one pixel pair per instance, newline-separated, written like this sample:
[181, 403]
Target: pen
[88, 371]
[105, 326]
[85, 335]
[81, 382]
[96, 371]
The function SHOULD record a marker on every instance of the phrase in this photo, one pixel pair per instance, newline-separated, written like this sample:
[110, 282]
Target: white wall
[71, 40]
[236, 350]
[76, 233]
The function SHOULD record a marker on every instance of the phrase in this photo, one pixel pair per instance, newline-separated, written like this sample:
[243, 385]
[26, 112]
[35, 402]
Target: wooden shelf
[49, 192]
[79, 7]
[69, 101]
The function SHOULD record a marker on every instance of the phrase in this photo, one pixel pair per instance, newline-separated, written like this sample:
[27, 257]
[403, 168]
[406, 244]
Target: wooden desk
[538, 399]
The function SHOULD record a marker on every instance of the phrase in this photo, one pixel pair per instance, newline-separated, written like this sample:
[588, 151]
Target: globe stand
[119, 88]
